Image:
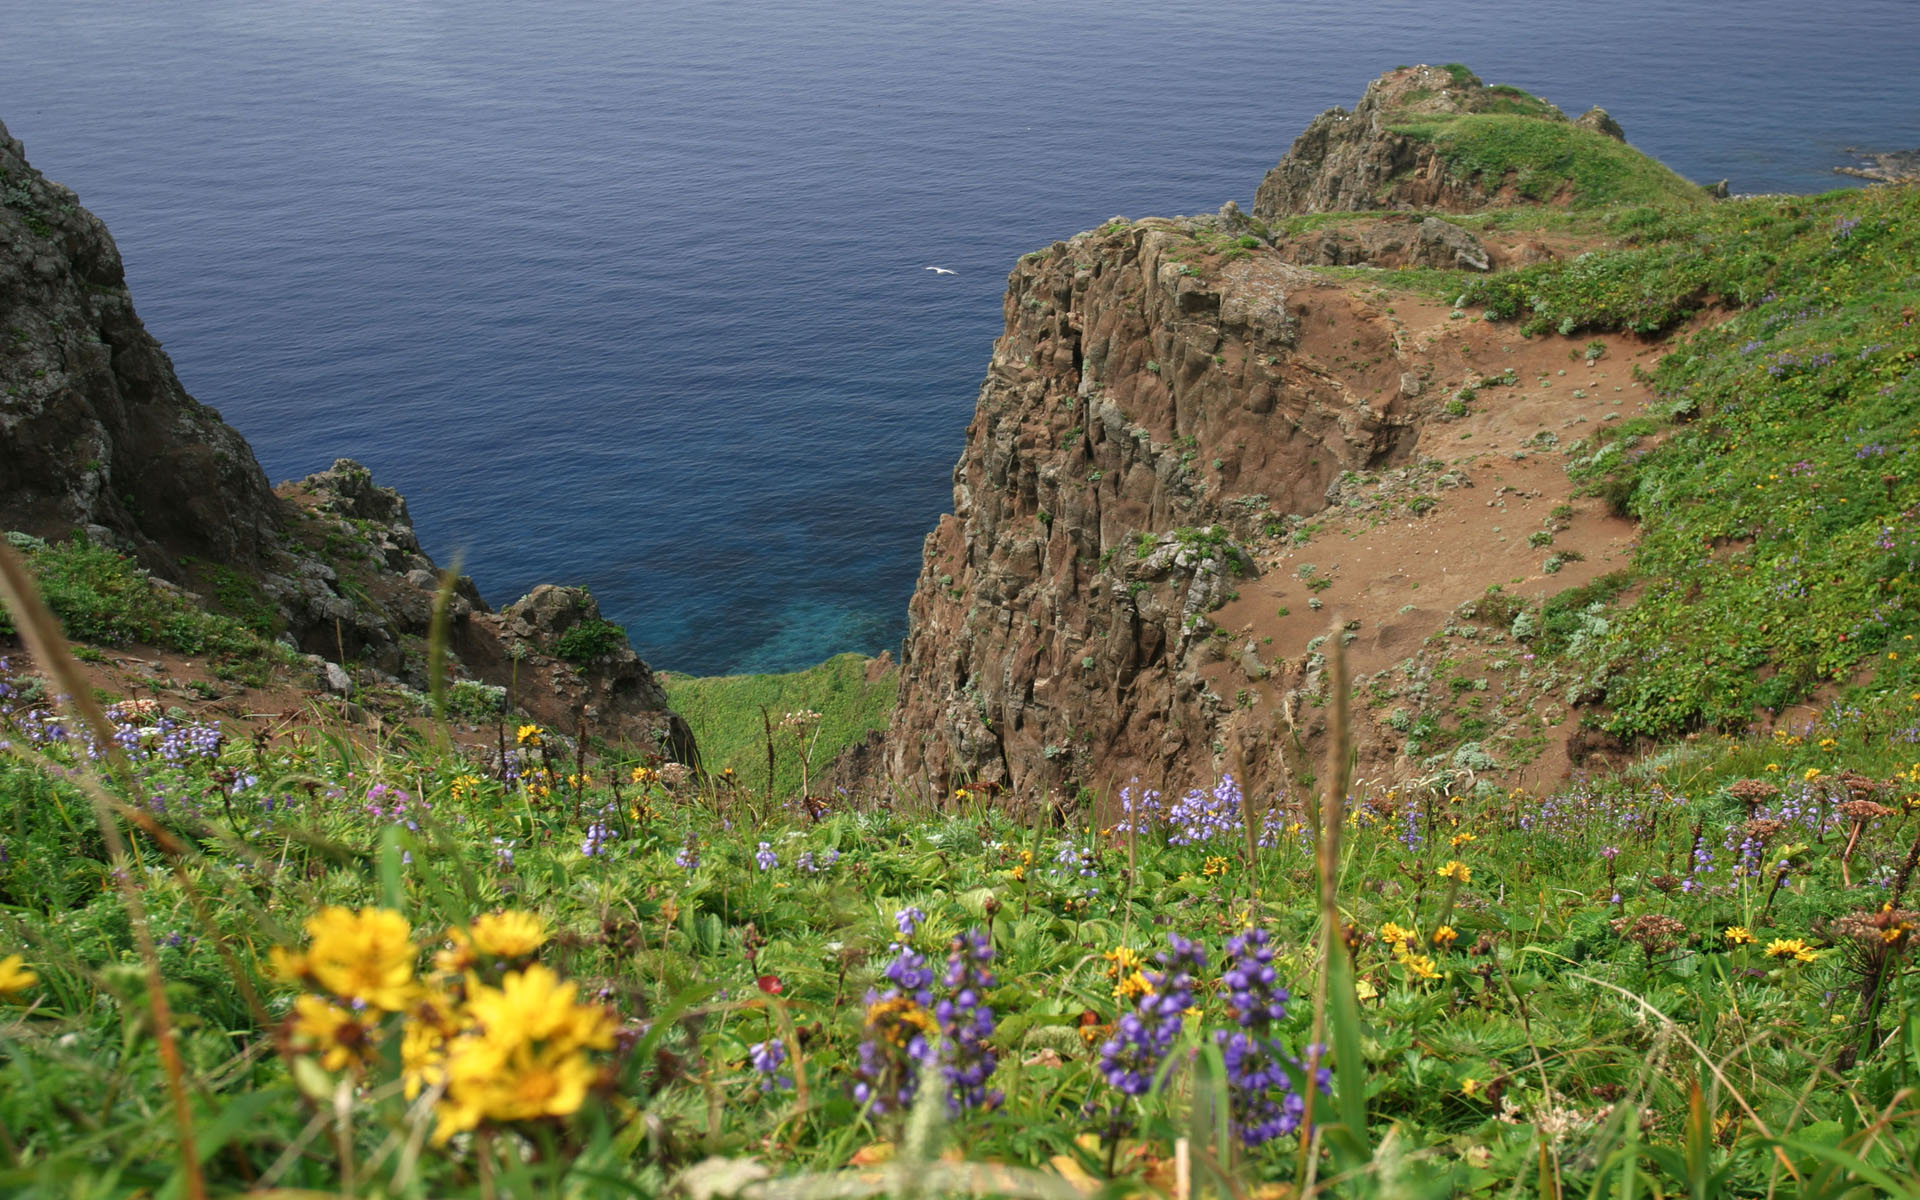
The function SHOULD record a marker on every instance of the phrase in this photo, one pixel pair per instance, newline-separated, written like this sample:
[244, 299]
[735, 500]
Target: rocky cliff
[1163, 396]
[100, 438]
[1192, 449]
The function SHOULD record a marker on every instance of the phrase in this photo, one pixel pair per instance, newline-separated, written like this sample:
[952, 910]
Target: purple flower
[1143, 1038]
[767, 1058]
[1262, 1102]
[766, 857]
[1201, 816]
[966, 1023]
[598, 835]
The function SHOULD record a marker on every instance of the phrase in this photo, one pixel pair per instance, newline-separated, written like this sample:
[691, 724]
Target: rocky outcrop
[1437, 138]
[360, 587]
[1600, 121]
[1356, 161]
[1896, 166]
[99, 435]
[567, 667]
[1165, 395]
[1391, 243]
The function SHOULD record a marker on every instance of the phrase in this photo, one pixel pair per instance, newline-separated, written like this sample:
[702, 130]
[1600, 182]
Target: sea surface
[630, 293]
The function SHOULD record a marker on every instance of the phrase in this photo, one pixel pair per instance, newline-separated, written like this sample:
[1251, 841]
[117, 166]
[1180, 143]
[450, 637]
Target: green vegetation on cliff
[1777, 493]
[103, 599]
[1548, 159]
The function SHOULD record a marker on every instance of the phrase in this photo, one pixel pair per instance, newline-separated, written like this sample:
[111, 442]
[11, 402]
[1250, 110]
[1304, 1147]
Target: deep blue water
[630, 293]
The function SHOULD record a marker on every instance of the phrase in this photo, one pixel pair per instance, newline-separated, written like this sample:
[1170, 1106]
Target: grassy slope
[1545, 155]
[1778, 549]
[726, 714]
[103, 599]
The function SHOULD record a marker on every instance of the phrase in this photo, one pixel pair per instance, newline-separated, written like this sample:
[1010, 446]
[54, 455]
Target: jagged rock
[1447, 246]
[97, 432]
[1384, 154]
[1597, 119]
[1142, 419]
[1897, 166]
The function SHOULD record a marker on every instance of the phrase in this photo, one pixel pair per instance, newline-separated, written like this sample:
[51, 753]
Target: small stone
[338, 681]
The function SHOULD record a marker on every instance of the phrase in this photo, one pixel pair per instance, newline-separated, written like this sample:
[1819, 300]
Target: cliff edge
[1195, 446]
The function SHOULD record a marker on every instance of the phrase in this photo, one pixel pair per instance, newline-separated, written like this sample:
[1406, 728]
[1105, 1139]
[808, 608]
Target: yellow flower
[337, 1035]
[1445, 936]
[1363, 989]
[1737, 935]
[535, 1006]
[365, 955]
[464, 787]
[1810, 774]
[1773, 766]
[1132, 985]
[527, 735]
[1216, 865]
[961, 794]
[1469, 1088]
[289, 966]
[423, 1057]
[1460, 839]
[897, 1019]
[1123, 959]
[508, 934]
[14, 975]
[1395, 936]
[486, 1081]
[1792, 948]
[644, 775]
[457, 957]
[1455, 870]
[1417, 965]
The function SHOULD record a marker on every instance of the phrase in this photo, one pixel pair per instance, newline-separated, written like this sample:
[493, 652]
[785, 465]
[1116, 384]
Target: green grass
[1540, 1050]
[725, 712]
[1545, 157]
[1777, 553]
[103, 598]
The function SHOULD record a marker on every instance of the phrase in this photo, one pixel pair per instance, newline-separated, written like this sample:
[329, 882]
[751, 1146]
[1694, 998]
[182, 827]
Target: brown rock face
[1163, 395]
[97, 432]
[1354, 162]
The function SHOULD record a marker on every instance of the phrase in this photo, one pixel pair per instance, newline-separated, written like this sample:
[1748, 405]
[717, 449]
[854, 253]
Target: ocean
[631, 293]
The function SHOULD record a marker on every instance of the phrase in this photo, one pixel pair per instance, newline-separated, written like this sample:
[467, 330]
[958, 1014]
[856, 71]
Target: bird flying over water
[939, 270]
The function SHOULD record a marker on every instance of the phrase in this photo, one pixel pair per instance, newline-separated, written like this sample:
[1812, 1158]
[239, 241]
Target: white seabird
[939, 270]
